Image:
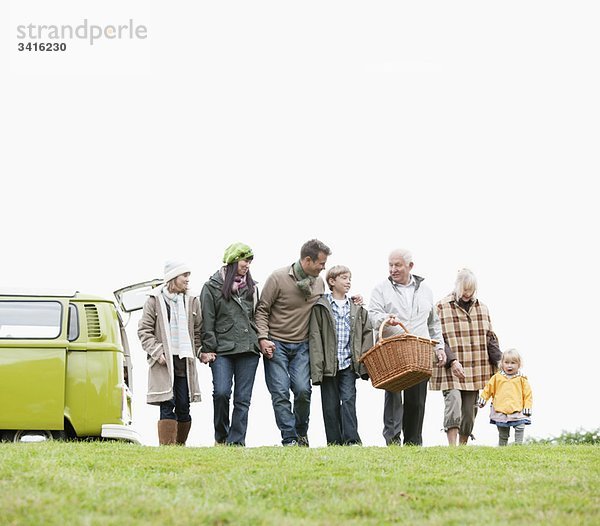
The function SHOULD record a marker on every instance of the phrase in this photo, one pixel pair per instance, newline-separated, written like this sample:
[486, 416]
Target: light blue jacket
[422, 320]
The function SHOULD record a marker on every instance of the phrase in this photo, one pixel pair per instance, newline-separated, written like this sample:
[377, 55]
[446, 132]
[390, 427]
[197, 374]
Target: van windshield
[30, 319]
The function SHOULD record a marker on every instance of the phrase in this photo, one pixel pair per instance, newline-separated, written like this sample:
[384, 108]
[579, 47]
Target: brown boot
[167, 432]
[183, 430]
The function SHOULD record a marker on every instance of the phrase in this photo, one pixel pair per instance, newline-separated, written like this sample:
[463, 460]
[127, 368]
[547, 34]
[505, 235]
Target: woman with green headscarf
[228, 300]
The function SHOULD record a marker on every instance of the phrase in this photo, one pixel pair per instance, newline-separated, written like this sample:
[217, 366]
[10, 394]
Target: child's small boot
[519, 434]
[503, 434]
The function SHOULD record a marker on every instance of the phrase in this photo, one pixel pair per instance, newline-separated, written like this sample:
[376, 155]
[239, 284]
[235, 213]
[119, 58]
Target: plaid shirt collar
[334, 302]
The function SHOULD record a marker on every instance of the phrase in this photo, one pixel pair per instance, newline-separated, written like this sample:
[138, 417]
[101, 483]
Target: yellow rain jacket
[509, 394]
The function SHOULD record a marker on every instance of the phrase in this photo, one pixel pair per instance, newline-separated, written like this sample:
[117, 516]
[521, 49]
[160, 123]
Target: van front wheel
[28, 435]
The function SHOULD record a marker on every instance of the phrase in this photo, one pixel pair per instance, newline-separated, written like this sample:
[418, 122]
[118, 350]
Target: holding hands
[267, 348]
[208, 357]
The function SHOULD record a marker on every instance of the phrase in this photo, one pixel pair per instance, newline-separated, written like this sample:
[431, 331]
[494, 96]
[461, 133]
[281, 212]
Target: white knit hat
[174, 269]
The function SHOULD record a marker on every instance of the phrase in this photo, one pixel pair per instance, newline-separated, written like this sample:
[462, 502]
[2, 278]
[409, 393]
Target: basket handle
[386, 322]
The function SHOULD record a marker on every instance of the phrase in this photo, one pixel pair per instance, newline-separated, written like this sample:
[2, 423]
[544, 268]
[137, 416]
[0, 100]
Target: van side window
[30, 319]
[73, 329]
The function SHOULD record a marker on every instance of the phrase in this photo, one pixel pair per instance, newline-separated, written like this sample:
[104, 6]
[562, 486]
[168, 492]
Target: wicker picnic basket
[399, 362]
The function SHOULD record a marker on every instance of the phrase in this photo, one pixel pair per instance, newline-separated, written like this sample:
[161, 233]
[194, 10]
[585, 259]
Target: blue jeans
[242, 368]
[178, 408]
[338, 400]
[290, 369]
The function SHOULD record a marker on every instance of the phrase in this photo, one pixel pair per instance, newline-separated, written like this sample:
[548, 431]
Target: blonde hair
[514, 354]
[334, 272]
[171, 285]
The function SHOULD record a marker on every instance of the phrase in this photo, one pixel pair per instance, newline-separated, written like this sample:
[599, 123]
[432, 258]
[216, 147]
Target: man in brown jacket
[282, 317]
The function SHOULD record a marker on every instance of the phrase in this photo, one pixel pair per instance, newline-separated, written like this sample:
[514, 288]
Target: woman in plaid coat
[473, 354]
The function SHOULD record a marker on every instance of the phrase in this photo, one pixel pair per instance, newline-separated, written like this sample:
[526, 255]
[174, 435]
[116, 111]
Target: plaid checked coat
[467, 334]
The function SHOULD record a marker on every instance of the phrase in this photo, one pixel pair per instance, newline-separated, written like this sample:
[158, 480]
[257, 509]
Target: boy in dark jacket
[340, 332]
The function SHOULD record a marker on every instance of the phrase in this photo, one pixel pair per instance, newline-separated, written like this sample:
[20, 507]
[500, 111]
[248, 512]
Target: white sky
[466, 132]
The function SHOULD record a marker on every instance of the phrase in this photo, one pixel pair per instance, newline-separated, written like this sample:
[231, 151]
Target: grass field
[106, 483]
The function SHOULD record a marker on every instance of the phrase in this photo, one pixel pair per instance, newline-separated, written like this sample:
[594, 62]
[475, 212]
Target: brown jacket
[467, 336]
[153, 332]
[283, 312]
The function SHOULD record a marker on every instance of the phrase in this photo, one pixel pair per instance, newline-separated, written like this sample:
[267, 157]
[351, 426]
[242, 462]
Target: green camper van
[65, 368]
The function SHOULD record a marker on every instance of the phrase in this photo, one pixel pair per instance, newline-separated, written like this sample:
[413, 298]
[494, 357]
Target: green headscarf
[236, 252]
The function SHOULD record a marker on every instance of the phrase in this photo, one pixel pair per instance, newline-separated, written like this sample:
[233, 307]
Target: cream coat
[154, 335]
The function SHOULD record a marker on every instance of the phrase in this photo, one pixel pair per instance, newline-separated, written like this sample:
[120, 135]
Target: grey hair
[402, 253]
[465, 279]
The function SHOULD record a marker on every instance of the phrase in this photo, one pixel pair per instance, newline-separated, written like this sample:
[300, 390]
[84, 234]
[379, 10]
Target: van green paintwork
[56, 384]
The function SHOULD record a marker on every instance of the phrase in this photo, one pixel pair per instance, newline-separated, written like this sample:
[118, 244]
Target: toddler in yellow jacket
[511, 395]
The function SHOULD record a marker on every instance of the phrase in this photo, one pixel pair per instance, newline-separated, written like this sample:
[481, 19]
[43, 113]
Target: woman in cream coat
[169, 332]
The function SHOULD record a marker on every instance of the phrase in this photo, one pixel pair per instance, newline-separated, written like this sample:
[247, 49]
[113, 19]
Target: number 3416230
[42, 46]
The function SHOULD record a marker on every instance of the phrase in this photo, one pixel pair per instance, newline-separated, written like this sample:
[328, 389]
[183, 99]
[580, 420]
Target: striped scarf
[181, 344]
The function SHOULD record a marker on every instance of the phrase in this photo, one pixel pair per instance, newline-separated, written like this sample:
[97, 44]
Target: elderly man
[403, 297]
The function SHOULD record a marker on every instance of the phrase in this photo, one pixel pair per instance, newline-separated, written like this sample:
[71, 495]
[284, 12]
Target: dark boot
[167, 432]
[183, 430]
